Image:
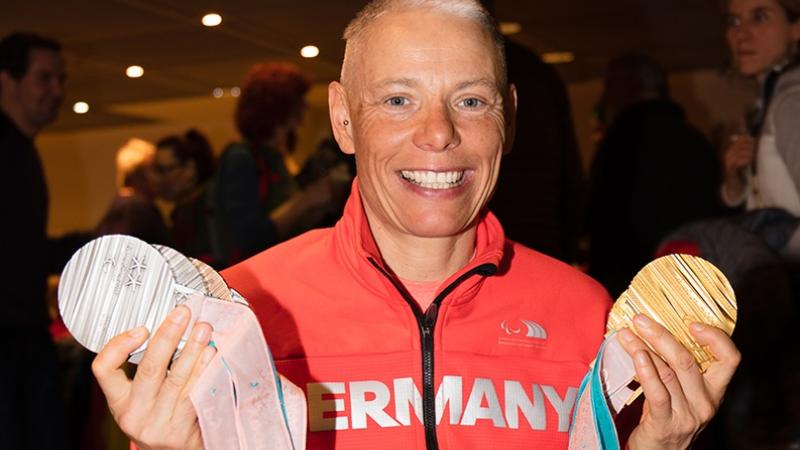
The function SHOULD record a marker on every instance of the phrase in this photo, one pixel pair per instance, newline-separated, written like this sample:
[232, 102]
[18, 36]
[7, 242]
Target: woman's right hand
[738, 156]
[740, 153]
[154, 409]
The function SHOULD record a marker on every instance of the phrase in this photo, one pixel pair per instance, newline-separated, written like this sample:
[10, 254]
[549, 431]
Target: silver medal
[215, 285]
[113, 284]
[238, 298]
[186, 273]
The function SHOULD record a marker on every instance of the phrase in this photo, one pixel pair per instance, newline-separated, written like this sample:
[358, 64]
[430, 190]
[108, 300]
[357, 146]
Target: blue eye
[397, 101]
[471, 102]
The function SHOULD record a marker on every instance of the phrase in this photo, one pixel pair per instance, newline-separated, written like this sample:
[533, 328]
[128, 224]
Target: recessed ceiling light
[211, 19]
[80, 107]
[217, 92]
[235, 91]
[558, 57]
[309, 51]
[134, 71]
[509, 28]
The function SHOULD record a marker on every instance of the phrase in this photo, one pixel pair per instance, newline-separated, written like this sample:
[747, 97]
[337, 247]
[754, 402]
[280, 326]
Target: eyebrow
[479, 82]
[406, 82]
[757, 9]
[411, 82]
[762, 9]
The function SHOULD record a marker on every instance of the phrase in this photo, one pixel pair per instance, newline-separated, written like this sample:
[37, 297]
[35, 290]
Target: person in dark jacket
[544, 165]
[31, 92]
[184, 166]
[652, 172]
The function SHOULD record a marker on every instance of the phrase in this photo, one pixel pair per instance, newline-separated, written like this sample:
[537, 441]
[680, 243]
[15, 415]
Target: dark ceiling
[182, 58]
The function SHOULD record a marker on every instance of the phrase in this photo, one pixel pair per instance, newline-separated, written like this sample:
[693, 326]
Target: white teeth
[433, 180]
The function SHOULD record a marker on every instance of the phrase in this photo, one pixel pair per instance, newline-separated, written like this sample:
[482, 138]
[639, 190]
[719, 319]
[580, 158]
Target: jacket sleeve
[787, 133]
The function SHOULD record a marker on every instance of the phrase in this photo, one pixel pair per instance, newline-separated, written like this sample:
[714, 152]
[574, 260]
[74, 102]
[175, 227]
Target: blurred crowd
[657, 185]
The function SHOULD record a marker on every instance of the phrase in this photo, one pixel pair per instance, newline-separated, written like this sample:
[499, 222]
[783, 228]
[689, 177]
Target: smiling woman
[428, 125]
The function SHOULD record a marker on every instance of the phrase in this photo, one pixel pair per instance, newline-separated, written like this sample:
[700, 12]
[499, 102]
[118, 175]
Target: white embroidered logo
[534, 330]
[526, 333]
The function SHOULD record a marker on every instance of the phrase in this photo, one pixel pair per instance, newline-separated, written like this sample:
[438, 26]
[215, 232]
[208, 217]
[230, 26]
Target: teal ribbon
[601, 414]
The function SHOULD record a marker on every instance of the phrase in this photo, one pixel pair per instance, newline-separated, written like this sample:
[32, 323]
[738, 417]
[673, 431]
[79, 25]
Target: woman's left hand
[679, 400]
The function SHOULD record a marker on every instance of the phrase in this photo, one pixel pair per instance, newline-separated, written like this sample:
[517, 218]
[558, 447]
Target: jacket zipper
[427, 322]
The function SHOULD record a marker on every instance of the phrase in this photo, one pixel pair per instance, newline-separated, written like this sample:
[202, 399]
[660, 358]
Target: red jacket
[495, 362]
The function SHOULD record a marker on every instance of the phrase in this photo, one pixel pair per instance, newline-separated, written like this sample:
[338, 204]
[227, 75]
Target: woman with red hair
[258, 202]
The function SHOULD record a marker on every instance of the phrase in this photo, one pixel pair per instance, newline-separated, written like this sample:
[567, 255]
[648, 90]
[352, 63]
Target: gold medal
[676, 290]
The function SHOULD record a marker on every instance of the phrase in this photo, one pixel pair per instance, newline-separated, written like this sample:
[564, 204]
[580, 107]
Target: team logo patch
[525, 333]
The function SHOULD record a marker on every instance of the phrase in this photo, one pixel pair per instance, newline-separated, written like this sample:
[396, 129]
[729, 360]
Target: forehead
[43, 59]
[745, 6]
[421, 43]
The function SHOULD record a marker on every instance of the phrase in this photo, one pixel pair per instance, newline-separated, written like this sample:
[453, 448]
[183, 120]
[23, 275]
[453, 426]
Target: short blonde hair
[135, 154]
[467, 9]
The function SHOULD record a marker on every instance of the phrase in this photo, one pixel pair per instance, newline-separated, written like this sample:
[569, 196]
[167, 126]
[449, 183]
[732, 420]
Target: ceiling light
[80, 107]
[134, 71]
[211, 20]
[217, 92]
[235, 91]
[309, 51]
[509, 28]
[558, 57]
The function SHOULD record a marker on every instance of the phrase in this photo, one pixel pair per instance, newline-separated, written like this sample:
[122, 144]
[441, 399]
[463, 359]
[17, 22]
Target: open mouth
[429, 179]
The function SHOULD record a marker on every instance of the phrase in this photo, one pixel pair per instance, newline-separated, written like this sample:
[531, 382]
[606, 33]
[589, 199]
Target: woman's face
[759, 35]
[176, 180]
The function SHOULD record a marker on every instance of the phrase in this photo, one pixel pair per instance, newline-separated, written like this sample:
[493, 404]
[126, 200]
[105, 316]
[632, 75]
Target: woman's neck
[422, 258]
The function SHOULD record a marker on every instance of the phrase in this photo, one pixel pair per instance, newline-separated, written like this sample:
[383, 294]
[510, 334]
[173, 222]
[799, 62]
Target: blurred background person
[32, 77]
[184, 166]
[544, 165]
[652, 172]
[133, 210]
[762, 168]
[762, 174]
[328, 160]
[258, 203]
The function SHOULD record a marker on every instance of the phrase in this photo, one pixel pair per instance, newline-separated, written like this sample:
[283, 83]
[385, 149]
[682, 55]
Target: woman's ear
[511, 118]
[340, 117]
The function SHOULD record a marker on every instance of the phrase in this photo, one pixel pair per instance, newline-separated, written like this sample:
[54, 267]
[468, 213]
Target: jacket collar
[358, 250]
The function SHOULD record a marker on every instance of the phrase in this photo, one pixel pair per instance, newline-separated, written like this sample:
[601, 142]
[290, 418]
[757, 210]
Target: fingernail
[179, 315]
[626, 335]
[200, 334]
[640, 357]
[642, 321]
[137, 333]
[697, 327]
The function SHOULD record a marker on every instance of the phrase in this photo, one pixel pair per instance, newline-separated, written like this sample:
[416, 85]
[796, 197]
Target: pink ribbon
[240, 400]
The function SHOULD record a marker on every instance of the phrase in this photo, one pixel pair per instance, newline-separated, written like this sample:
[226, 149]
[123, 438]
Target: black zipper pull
[430, 316]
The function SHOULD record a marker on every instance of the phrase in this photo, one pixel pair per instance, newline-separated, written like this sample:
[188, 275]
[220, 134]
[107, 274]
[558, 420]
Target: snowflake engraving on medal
[135, 273]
